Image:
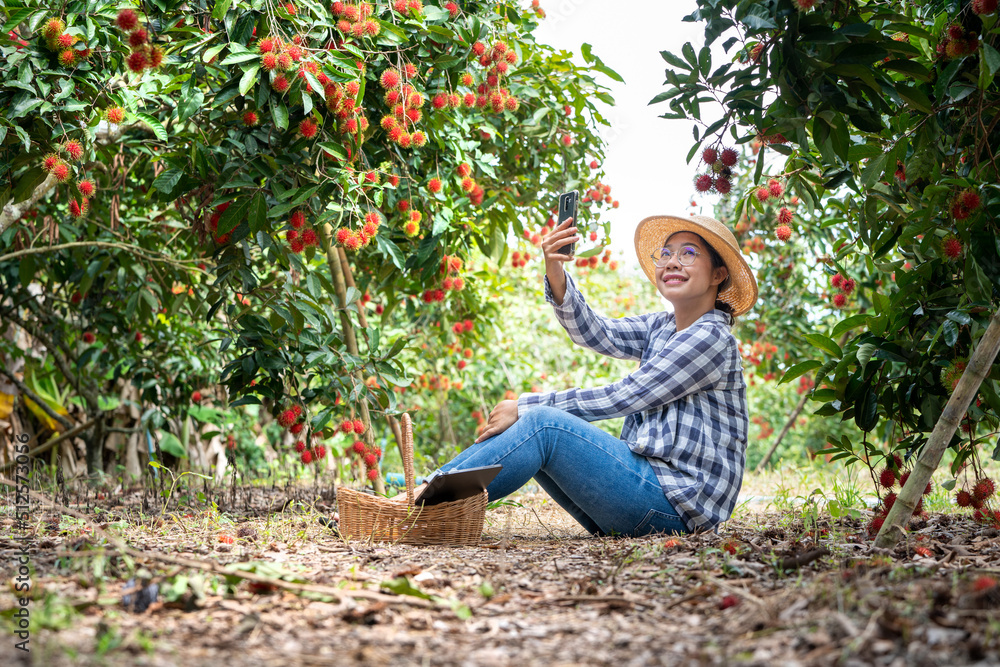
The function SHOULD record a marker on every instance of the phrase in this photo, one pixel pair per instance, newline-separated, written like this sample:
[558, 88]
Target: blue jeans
[593, 475]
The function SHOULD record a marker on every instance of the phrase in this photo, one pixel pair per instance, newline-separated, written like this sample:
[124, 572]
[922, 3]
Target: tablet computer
[454, 485]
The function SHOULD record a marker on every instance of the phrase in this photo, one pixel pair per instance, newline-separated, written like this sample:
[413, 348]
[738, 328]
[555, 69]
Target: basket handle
[407, 451]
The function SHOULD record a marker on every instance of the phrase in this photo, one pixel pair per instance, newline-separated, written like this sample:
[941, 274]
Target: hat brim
[652, 231]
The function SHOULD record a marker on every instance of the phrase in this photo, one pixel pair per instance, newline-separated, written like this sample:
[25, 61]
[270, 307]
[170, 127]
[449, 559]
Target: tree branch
[13, 212]
[93, 244]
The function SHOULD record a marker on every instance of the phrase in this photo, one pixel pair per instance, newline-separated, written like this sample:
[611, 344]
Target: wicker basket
[367, 517]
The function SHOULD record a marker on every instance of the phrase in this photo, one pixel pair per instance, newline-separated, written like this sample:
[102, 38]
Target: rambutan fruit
[464, 170]
[286, 418]
[67, 57]
[413, 115]
[75, 209]
[296, 429]
[310, 238]
[963, 499]
[137, 61]
[952, 247]
[319, 451]
[297, 219]
[285, 61]
[452, 9]
[837, 280]
[280, 83]
[50, 161]
[306, 457]
[353, 242]
[127, 20]
[847, 286]
[297, 246]
[308, 128]
[64, 41]
[783, 232]
[372, 474]
[478, 48]
[250, 118]
[300, 446]
[709, 155]
[352, 88]
[434, 185]
[839, 300]
[268, 61]
[155, 57]
[411, 228]
[419, 138]
[776, 188]
[138, 38]
[903, 478]
[784, 216]
[983, 489]
[984, 7]
[703, 183]
[887, 478]
[875, 525]
[805, 5]
[86, 188]
[359, 426]
[409, 70]
[969, 199]
[722, 185]
[53, 28]
[61, 171]
[291, 235]
[469, 100]
[763, 194]
[729, 157]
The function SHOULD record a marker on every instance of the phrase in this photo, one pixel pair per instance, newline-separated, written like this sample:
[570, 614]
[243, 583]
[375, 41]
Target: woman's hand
[502, 418]
[561, 235]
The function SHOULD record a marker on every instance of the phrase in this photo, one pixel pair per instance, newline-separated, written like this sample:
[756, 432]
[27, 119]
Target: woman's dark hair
[716, 263]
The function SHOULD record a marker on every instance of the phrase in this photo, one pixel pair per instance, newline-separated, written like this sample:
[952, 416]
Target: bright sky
[645, 154]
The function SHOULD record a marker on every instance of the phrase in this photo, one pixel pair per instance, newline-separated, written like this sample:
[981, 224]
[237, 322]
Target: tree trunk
[95, 451]
[338, 271]
[930, 457]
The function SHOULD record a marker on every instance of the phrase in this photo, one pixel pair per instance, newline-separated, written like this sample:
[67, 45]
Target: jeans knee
[541, 416]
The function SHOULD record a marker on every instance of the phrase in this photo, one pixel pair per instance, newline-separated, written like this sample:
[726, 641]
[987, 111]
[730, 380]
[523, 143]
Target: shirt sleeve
[693, 360]
[622, 338]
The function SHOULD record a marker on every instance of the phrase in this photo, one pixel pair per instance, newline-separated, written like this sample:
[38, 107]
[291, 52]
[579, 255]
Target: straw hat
[739, 290]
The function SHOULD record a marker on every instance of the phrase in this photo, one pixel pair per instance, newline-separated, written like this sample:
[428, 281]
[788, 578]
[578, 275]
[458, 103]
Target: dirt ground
[767, 590]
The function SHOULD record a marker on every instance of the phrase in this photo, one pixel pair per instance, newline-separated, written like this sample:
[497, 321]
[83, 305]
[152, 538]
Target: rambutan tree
[886, 116]
[249, 171]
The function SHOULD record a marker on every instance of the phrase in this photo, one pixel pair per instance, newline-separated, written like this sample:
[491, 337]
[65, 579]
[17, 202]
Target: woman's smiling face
[689, 284]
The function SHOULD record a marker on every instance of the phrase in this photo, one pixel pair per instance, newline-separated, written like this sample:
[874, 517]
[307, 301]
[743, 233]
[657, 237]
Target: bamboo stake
[337, 273]
[930, 457]
[788, 426]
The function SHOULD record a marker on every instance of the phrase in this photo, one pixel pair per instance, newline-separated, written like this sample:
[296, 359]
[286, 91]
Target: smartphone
[567, 209]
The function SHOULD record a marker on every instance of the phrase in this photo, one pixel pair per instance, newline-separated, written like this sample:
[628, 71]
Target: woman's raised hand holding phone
[561, 235]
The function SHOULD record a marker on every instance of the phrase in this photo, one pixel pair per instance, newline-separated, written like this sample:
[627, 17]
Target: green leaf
[990, 56]
[169, 444]
[219, 12]
[865, 352]
[674, 60]
[158, 129]
[403, 586]
[866, 409]
[915, 97]
[798, 370]
[825, 344]
[850, 323]
[233, 216]
[258, 213]
[248, 79]
[234, 58]
[280, 114]
[873, 170]
[166, 181]
[976, 283]
[17, 16]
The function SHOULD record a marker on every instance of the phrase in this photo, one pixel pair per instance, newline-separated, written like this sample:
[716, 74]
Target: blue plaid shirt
[685, 407]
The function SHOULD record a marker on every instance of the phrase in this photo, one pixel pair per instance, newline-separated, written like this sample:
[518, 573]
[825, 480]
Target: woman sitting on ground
[678, 465]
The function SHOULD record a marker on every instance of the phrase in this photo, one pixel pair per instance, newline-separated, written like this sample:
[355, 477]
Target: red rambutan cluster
[957, 42]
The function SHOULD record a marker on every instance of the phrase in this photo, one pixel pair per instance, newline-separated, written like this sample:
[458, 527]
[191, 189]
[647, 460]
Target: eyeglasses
[685, 256]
